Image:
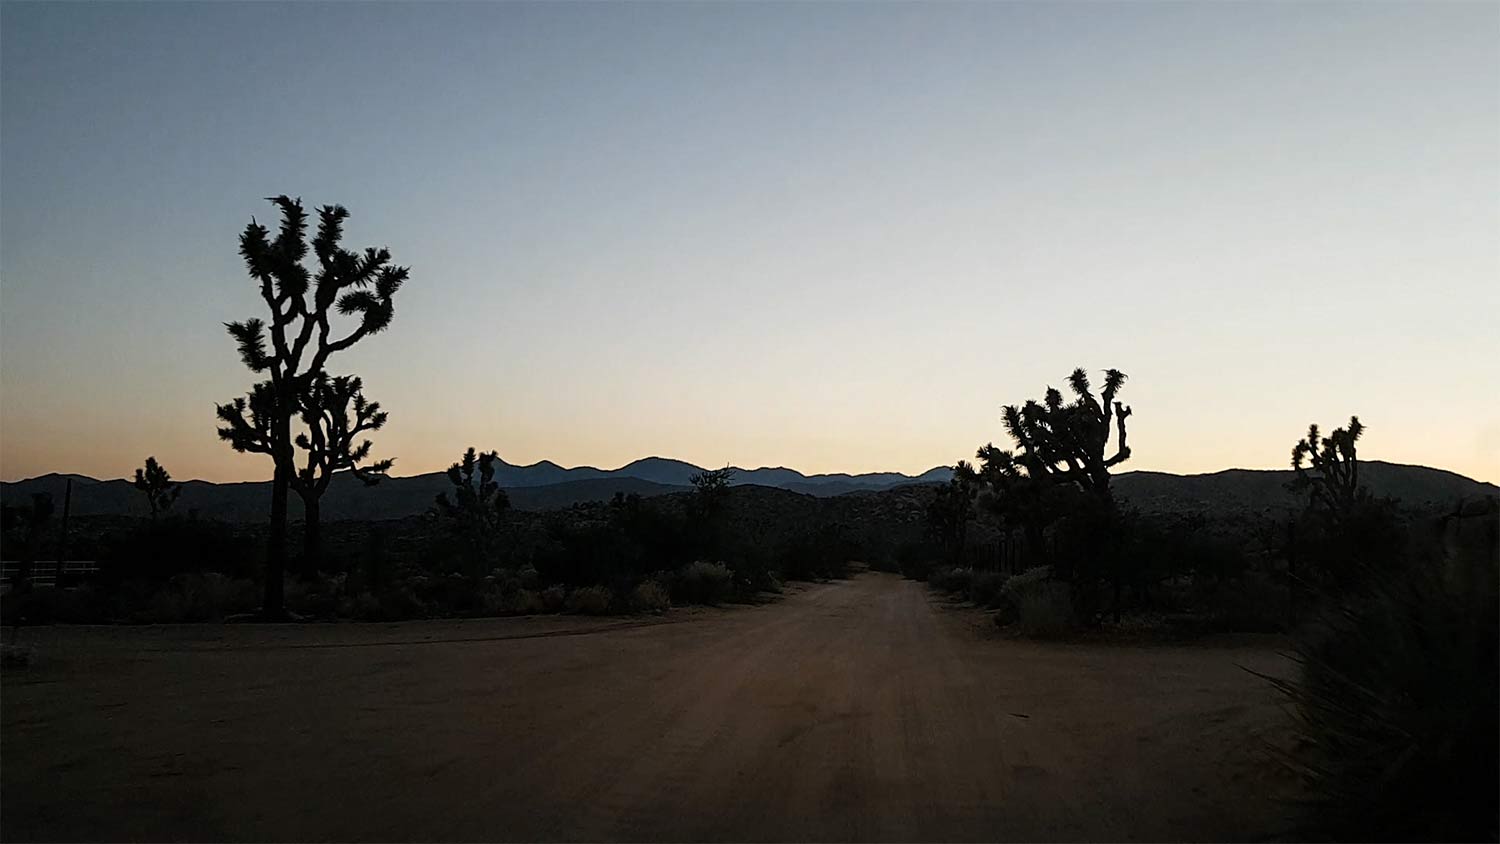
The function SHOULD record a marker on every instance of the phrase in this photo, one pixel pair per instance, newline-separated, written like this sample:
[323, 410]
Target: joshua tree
[1066, 442]
[330, 445]
[301, 339]
[710, 496]
[1332, 477]
[711, 486]
[476, 508]
[156, 483]
[949, 511]
[1060, 455]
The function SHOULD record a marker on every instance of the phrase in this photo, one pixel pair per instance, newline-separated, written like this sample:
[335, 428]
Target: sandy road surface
[858, 710]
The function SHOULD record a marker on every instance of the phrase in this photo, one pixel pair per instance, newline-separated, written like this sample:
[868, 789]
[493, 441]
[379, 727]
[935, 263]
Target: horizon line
[743, 469]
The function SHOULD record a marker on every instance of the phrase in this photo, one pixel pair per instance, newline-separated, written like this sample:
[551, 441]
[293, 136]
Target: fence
[45, 575]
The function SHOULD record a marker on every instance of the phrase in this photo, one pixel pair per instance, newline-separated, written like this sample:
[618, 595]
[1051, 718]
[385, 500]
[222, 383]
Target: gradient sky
[835, 237]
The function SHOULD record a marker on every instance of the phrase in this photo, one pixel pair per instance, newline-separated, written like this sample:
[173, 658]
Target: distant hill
[1259, 489]
[546, 486]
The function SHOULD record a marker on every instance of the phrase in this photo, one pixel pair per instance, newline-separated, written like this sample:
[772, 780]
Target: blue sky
[831, 236]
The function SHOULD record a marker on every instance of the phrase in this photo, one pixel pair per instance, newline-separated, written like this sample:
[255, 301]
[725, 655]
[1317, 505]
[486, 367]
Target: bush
[985, 588]
[316, 597]
[197, 598]
[553, 598]
[703, 583]
[1024, 581]
[397, 604]
[1397, 699]
[523, 602]
[914, 559]
[589, 600]
[1046, 610]
[1044, 607]
[1251, 603]
[650, 596]
[951, 579]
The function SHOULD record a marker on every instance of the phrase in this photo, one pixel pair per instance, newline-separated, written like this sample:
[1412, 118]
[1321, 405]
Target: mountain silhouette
[546, 485]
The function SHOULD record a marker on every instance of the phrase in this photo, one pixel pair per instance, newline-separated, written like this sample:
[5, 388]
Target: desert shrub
[1254, 602]
[79, 605]
[985, 587]
[492, 601]
[589, 600]
[15, 656]
[1043, 607]
[553, 598]
[1025, 581]
[951, 579]
[161, 549]
[914, 559]
[395, 604]
[1045, 610]
[703, 583]
[1397, 700]
[528, 577]
[819, 553]
[524, 602]
[754, 570]
[315, 597]
[650, 596]
[196, 598]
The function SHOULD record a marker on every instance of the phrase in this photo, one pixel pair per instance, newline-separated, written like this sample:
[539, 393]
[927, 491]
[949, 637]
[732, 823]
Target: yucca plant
[1396, 704]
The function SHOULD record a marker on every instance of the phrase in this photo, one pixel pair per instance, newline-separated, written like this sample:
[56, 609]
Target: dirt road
[858, 710]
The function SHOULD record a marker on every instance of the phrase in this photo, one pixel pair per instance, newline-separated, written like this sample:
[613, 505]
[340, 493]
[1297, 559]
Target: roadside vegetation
[1391, 610]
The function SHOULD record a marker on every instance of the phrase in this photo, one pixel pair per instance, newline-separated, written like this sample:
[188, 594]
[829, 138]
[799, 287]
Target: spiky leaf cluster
[350, 283]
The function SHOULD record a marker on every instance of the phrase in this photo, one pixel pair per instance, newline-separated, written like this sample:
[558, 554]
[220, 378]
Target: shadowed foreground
[849, 711]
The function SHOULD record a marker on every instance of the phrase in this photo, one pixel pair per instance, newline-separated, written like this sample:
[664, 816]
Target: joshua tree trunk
[312, 539]
[276, 544]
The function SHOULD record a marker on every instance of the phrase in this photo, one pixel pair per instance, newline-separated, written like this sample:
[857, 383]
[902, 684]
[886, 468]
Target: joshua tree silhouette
[155, 482]
[476, 508]
[301, 341]
[1331, 477]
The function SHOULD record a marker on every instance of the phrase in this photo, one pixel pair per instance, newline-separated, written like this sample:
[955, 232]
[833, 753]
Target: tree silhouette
[477, 507]
[155, 482]
[1060, 469]
[330, 446]
[301, 339]
[1332, 477]
[1065, 443]
[949, 512]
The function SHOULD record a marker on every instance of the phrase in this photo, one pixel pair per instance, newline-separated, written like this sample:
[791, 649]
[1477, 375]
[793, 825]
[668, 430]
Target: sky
[830, 236]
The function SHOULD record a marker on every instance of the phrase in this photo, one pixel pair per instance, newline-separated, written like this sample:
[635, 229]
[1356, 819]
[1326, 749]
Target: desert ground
[863, 709]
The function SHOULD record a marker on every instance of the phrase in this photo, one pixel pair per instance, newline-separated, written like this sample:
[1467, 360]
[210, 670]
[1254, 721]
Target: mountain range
[546, 485]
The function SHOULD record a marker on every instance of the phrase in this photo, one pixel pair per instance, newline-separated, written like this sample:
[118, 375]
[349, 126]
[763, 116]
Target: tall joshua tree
[156, 483]
[301, 339]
